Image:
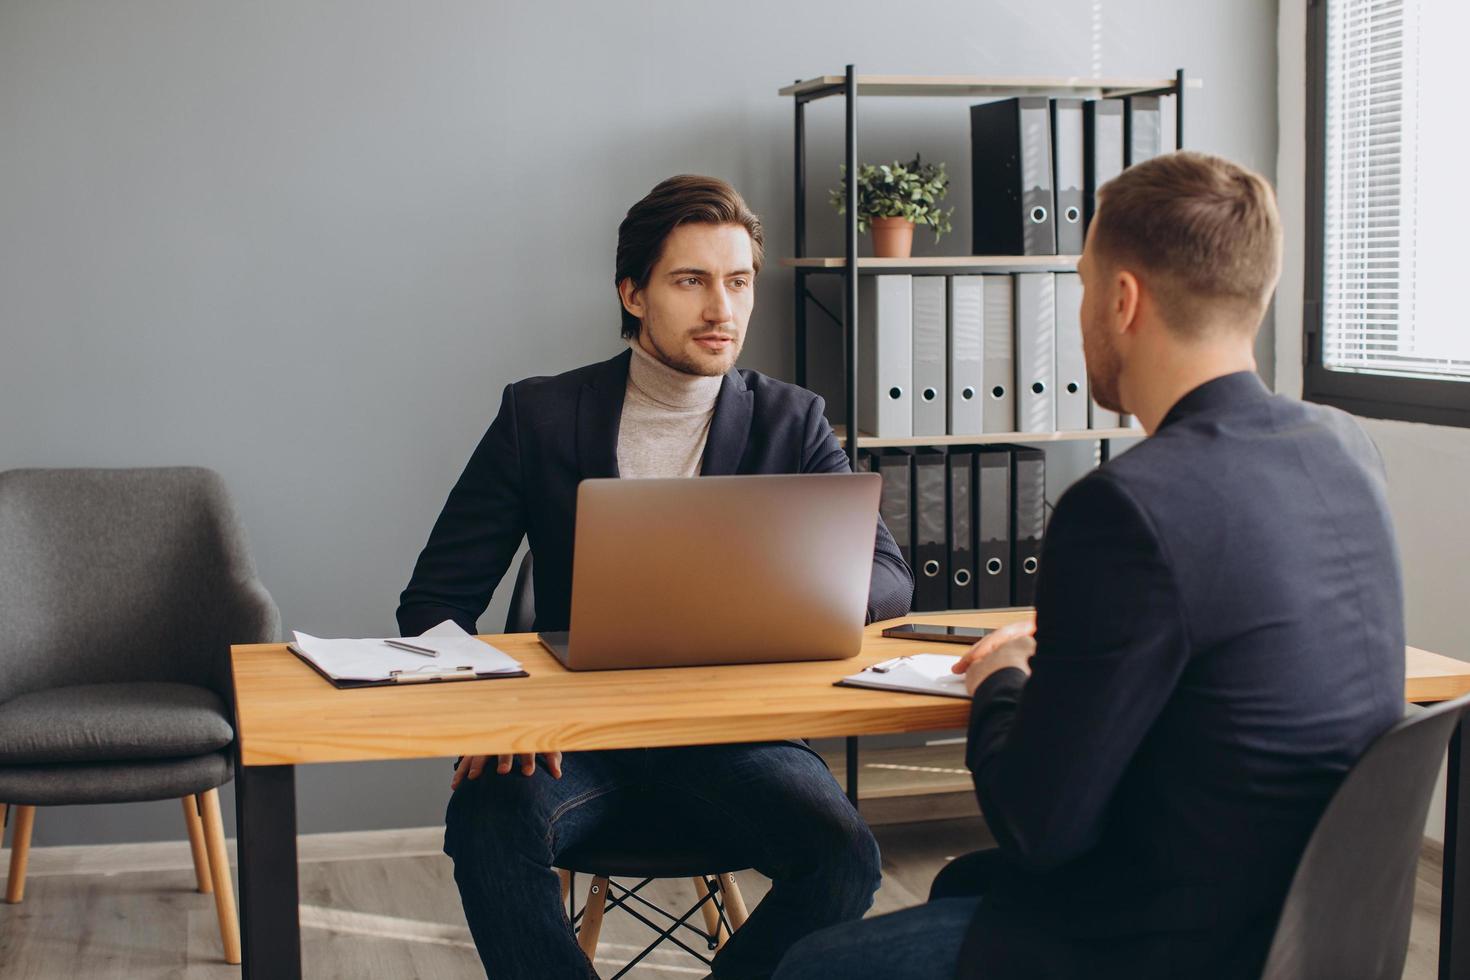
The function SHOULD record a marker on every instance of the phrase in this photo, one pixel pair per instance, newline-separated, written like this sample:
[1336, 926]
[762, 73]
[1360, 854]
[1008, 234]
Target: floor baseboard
[353, 845]
[366, 845]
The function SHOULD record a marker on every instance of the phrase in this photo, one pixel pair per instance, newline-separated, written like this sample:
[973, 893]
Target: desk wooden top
[288, 715]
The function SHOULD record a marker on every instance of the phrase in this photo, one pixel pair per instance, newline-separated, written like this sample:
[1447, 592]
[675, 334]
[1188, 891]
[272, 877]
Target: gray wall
[306, 244]
[1428, 465]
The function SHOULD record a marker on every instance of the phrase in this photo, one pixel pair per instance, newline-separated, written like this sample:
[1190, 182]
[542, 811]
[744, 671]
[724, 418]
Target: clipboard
[425, 675]
[924, 673]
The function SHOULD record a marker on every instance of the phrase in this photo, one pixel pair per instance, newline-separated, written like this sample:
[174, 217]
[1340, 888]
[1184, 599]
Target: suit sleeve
[476, 536]
[891, 589]
[1047, 753]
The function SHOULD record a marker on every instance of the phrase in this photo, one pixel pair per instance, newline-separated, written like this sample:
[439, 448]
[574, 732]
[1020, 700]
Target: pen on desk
[411, 648]
[886, 665]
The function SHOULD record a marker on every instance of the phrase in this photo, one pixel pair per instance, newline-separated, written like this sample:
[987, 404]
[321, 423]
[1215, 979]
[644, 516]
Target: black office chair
[1351, 901]
[644, 846]
[1352, 898]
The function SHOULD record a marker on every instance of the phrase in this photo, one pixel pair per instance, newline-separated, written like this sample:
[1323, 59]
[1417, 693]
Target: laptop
[719, 570]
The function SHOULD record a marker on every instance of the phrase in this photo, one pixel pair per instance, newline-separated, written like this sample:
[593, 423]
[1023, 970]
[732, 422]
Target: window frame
[1374, 396]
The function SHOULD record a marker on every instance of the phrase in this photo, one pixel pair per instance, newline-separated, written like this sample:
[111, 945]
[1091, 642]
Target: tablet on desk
[938, 634]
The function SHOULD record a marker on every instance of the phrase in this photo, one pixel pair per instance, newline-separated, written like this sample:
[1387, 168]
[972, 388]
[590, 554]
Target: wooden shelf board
[910, 770]
[1025, 263]
[983, 86]
[988, 438]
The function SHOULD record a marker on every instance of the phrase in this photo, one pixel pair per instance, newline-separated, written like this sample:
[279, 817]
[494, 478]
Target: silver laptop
[719, 570]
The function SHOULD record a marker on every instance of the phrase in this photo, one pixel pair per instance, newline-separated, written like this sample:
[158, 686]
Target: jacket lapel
[599, 410]
[729, 428]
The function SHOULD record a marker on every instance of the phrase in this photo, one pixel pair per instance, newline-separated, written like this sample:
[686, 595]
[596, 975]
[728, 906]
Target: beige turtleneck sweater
[666, 416]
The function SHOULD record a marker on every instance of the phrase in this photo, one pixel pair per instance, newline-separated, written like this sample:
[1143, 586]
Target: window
[1387, 319]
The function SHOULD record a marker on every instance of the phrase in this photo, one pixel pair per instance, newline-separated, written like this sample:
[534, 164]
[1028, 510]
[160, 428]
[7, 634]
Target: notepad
[922, 673]
[458, 656]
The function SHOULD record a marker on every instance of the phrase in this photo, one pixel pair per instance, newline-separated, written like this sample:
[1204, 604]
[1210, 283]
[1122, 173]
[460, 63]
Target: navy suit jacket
[1219, 637]
[551, 434]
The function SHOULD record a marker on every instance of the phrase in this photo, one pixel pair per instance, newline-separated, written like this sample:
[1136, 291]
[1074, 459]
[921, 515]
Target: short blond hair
[1204, 231]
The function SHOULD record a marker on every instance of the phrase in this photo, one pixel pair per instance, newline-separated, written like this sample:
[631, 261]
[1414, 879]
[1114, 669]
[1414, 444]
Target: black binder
[895, 466]
[1102, 130]
[993, 528]
[931, 545]
[1067, 168]
[1143, 133]
[1029, 494]
[1010, 171]
[962, 530]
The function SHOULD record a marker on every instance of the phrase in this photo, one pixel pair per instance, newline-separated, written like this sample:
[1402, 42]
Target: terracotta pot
[893, 238]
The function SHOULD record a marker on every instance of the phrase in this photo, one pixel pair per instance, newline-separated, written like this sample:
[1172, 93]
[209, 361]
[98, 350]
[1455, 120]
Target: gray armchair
[120, 593]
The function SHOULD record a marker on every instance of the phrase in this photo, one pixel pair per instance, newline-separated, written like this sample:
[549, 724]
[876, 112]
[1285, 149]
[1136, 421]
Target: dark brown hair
[1205, 229]
[685, 199]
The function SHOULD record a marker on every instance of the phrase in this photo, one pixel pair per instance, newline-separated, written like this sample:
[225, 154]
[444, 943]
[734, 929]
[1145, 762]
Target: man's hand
[470, 766]
[1010, 646]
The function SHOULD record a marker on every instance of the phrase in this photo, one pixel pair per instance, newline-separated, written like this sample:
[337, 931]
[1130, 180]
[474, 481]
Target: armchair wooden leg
[592, 918]
[196, 843]
[219, 869]
[20, 853]
[566, 883]
[734, 901]
[712, 924]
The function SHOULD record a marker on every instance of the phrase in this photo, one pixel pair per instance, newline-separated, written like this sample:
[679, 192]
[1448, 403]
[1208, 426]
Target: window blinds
[1396, 279]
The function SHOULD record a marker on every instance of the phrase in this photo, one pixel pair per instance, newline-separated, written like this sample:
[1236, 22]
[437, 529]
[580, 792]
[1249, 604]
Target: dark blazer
[1220, 635]
[551, 434]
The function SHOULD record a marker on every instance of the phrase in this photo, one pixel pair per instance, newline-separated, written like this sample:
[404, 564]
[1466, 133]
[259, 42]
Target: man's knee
[847, 850]
[494, 813]
[867, 862]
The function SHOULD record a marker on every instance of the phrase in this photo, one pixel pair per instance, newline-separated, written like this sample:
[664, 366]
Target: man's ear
[1126, 300]
[632, 297]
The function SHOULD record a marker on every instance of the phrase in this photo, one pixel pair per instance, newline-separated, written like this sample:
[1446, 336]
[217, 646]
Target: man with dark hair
[1219, 635]
[672, 405]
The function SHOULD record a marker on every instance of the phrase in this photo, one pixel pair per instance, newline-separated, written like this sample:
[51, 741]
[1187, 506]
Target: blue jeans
[775, 801]
[921, 943]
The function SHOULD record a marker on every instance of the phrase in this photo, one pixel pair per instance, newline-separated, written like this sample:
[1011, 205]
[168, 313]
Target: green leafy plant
[909, 190]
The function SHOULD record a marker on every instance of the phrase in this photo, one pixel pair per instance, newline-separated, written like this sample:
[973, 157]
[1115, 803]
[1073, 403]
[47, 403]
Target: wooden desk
[286, 716]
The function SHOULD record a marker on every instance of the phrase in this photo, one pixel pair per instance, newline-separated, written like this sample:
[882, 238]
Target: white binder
[1100, 418]
[1036, 362]
[1072, 394]
[885, 356]
[966, 355]
[998, 412]
[930, 356]
[1067, 155]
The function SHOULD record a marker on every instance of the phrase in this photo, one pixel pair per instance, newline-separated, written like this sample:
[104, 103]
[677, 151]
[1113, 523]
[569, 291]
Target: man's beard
[687, 365]
[1103, 367]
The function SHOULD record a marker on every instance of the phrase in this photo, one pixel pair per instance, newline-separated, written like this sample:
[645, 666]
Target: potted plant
[893, 198]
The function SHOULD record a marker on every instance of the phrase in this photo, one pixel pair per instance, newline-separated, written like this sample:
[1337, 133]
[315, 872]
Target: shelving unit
[947, 263]
[850, 86]
[866, 441]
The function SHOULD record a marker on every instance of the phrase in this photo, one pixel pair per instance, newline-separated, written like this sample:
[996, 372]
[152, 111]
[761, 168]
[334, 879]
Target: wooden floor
[368, 916]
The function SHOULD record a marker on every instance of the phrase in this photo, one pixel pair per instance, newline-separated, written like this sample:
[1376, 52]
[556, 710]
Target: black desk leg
[1454, 910]
[270, 920]
[852, 769]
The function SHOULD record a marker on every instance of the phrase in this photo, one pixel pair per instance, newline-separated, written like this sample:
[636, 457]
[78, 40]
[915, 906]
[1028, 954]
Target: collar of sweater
[669, 388]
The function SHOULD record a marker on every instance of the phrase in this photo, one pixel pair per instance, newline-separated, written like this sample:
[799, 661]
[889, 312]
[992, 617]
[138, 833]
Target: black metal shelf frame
[848, 89]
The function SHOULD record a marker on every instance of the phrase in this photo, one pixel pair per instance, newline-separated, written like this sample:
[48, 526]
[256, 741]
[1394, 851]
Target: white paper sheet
[922, 673]
[374, 660]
